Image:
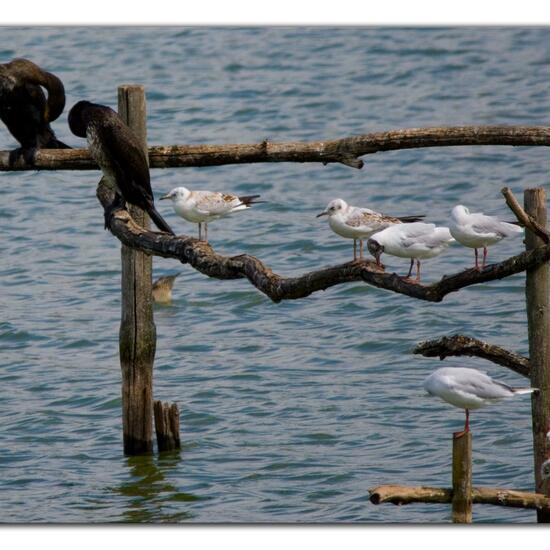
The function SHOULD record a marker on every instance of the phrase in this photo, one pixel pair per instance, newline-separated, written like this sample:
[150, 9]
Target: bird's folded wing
[209, 202]
[127, 158]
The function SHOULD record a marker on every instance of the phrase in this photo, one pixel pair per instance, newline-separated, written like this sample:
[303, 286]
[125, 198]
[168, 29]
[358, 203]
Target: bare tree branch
[401, 494]
[202, 257]
[459, 345]
[524, 218]
[344, 151]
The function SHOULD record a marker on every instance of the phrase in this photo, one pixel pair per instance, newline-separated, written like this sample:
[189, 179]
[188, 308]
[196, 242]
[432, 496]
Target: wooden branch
[344, 151]
[202, 257]
[458, 345]
[400, 494]
[523, 218]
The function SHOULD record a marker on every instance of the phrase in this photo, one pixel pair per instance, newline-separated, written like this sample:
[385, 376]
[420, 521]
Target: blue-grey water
[290, 412]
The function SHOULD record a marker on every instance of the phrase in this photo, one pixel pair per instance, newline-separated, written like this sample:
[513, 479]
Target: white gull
[203, 206]
[477, 230]
[353, 222]
[468, 389]
[417, 241]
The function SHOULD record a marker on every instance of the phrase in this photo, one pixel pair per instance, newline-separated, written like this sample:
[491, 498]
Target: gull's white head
[177, 194]
[459, 211]
[335, 206]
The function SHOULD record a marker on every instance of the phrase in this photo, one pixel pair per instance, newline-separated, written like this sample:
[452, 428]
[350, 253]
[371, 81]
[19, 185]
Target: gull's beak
[323, 213]
[167, 196]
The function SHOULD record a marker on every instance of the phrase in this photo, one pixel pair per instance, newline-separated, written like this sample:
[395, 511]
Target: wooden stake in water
[137, 337]
[462, 478]
[167, 426]
[537, 291]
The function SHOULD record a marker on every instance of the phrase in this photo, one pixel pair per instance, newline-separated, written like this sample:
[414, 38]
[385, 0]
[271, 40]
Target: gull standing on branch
[479, 231]
[357, 223]
[410, 240]
[468, 389]
[120, 155]
[202, 206]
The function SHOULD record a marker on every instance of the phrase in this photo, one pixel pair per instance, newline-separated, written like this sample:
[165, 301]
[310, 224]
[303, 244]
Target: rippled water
[289, 412]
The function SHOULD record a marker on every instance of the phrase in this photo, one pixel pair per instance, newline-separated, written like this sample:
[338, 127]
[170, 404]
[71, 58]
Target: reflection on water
[148, 492]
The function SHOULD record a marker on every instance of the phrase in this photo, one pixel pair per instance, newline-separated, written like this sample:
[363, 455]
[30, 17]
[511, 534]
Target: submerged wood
[202, 257]
[459, 345]
[344, 151]
[401, 494]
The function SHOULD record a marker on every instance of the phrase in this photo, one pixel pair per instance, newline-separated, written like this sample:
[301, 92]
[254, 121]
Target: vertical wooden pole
[137, 335]
[167, 426]
[537, 291]
[462, 478]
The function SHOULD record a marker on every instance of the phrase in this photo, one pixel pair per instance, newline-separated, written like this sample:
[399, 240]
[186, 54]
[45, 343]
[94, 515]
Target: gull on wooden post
[468, 389]
[352, 222]
[477, 230]
[203, 206]
[417, 241]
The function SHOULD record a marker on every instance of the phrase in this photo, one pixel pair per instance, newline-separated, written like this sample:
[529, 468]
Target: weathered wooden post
[137, 336]
[462, 478]
[537, 290]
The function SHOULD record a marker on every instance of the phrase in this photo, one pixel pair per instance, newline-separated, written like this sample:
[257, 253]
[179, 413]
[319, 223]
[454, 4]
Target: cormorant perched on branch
[25, 110]
[117, 150]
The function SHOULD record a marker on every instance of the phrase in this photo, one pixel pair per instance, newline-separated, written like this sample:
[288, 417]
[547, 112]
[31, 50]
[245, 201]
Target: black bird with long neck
[25, 110]
[117, 150]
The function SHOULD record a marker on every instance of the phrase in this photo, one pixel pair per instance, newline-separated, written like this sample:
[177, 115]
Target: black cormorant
[117, 150]
[25, 110]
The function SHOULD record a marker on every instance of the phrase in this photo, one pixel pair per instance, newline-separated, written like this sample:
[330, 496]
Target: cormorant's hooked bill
[25, 110]
[117, 150]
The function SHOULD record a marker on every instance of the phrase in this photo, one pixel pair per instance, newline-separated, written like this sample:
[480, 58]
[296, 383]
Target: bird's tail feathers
[411, 219]
[248, 200]
[56, 144]
[159, 221]
[519, 391]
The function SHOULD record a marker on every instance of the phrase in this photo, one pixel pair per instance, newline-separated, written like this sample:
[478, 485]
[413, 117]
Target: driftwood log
[344, 151]
[201, 256]
[460, 345]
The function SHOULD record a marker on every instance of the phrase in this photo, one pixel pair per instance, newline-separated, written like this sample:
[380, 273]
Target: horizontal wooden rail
[400, 494]
[345, 151]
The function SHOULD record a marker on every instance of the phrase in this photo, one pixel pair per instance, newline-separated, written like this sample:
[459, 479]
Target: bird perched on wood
[410, 240]
[203, 206]
[117, 150]
[25, 110]
[468, 389]
[545, 470]
[479, 231]
[352, 222]
[162, 289]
